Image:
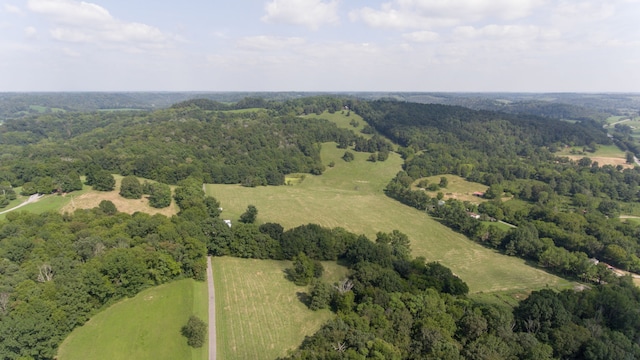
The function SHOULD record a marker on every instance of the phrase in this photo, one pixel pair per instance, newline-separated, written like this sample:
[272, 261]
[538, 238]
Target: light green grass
[248, 110]
[341, 119]
[457, 188]
[498, 224]
[501, 298]
[602, 151]
[258, 312]
[46, 203]
[350, 195]
[146, 326]
[615, 119]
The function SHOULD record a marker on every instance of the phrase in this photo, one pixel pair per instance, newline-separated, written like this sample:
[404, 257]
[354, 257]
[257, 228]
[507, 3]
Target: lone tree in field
[348, 156]
[444, 182]
[130, 188]
[195, 331]
[107, 207]
[249, 216]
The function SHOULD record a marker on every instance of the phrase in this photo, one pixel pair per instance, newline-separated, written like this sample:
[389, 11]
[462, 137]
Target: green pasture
[146, 326]
[341, 119]
[457, 188]
[611, 151]
[259, 314]
[350, 195]
[248, 110]
[499, 225]
[615, 119]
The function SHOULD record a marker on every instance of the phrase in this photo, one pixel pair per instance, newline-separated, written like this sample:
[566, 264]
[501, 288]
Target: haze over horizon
[320, 45]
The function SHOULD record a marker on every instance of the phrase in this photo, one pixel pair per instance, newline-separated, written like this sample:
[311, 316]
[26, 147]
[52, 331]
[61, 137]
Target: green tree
[250, 215]
[304, 270]
[444, 182]
[28, 188]
[630, 157]
[160, 195]
[195, 331]
[320, 295]
[107, 207]
[103, 181]
[130, 187]
[348, 156]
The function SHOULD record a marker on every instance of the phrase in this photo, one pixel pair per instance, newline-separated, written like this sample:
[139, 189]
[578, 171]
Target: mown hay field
[259, 313]
[350, 195]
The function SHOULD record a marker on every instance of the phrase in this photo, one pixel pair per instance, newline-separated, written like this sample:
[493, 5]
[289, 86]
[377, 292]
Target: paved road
[32, 198]
[212, 311]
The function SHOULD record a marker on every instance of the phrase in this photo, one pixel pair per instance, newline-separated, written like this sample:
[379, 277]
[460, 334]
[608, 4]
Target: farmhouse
[478, 194]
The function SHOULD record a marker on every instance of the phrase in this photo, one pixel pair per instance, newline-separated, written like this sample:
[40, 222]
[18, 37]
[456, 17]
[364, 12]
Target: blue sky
[320, 45]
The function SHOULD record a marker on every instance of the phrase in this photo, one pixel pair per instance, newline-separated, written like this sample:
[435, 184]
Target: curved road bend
[33, 198]
[212, 311]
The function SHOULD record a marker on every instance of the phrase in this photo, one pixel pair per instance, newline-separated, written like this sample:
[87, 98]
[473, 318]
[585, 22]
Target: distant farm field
[91, 198]
[146, 326]
[259, 314]
[343, 121]
[87, 198]
[457, 188]
[350, 195]
[604, 155]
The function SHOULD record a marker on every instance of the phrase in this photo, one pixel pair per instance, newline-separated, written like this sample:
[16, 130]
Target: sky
[320, 45]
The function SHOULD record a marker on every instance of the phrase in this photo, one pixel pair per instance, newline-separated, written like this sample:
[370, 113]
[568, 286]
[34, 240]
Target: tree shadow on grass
[304, 298]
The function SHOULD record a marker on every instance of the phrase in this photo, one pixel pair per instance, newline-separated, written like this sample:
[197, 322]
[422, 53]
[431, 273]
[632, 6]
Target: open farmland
[350, 196]
[91, 199]
[604, 155]
[259, 314]
[458, 188]
[343, 121]
[146, 326]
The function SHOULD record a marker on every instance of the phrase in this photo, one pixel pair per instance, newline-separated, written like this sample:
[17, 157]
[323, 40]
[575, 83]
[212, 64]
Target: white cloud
[309, 13]
[12, 9]
[83, 22]
[505, 32]
[428, 14]
[30, 31]
[421, 36]
[269, 43]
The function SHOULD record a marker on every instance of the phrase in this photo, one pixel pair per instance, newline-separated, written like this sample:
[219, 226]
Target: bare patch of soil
[93, 198]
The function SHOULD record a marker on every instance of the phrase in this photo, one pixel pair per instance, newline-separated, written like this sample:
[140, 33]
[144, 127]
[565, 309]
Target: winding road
[31, 199]
[212, 311]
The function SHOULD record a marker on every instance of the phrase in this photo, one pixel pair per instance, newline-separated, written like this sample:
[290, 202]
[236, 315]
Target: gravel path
[32, 198]
[212, 311]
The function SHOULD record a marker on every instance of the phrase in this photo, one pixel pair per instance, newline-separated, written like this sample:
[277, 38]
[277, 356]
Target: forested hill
[481, 129]
[253, 147]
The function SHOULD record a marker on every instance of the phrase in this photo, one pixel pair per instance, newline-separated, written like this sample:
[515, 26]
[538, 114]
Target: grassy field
[46, 203]
[457, 188]
[348, 196]
[258, 312]
[604, 155]
[91, 199]
[143, 327]
[341, 119]
[87, 198]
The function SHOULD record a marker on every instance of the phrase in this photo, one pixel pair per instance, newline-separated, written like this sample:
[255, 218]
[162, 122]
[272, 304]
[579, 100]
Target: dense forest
[56, 270]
